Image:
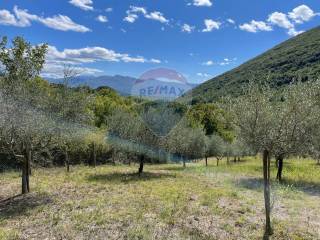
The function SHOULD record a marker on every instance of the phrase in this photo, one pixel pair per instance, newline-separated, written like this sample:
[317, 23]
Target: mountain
[122, 84]
[295, 59]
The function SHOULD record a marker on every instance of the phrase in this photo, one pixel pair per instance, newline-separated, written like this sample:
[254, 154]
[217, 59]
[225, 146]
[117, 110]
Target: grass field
[167, 202]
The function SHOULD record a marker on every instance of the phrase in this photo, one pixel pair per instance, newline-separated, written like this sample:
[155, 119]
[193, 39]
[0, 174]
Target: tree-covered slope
[297, 58]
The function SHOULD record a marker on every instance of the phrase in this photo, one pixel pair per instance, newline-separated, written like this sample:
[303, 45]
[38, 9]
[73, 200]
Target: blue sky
[198, 38]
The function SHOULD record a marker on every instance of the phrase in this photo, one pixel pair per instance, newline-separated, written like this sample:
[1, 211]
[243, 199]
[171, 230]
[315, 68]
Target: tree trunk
[141, 164]
[26, 171]
[280, 167]
[218, 161]
[239, 159]
[24, 177]
[29, 165]
[168, 157]
[235, 159]
[206, 161]
[318, 161]
[113, 157]
[184, 162]
[67, 160]
[266, 178]
[94, 154]
[228, 160]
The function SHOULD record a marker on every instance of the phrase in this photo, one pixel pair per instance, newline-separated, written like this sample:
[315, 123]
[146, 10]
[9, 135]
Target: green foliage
[161, 116]
[184, 141]
[215, 146]
[281, 122]
[22, 63]
[212, 119]
[105, 103]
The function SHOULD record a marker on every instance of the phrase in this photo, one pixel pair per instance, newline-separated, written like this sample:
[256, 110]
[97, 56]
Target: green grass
[166, 202]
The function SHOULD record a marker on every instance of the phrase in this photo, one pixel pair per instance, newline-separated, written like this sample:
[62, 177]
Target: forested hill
[297, 58]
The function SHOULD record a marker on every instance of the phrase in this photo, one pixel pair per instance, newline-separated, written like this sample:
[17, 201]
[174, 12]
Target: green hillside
[297, 58]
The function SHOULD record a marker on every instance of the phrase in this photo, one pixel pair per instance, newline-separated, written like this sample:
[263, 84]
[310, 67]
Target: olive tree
[128, 133]
[216, 125]
[24, 130]
[96, 141]
[23, 120]
[184, 142]
[237, 149]
[70, 109]
[314, 146]
[215, 146]
[274, 122]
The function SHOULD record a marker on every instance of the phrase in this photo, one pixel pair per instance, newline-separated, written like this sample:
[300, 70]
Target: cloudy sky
[198, 38]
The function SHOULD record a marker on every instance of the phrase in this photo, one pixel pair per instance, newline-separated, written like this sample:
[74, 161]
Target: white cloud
[280, 19]
[133, 15]
[6, 18]
[293, 32]
[208, 63]
[63, 23]
[302, 14]
[83, 4]
[90, 55]
[187, 28]
[224, 62]
[54, 70]
[22, 18]
[202, 3]
[102, 19]
[127, 59]
[157, 16]
[229, 20]
[135, 9]
[227, 61]
[153, 60]
[131, 18]
[203, 75]
[211, 25]
[255, 26]
[288, 21]
[298, 15]
[109, 9]
[83, 55]
[56, 60]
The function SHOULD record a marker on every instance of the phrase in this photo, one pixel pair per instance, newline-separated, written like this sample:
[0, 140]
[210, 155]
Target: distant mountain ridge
[295, 59]
[122, 84]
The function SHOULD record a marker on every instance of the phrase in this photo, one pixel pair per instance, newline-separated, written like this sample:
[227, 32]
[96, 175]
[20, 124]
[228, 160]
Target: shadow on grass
[178, 168]
[127, 177]
[250, 183]
[310, 188]
[19, 205]
[200, 167]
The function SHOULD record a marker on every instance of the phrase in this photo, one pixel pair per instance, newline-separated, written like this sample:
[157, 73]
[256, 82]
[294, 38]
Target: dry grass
[167, 202]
